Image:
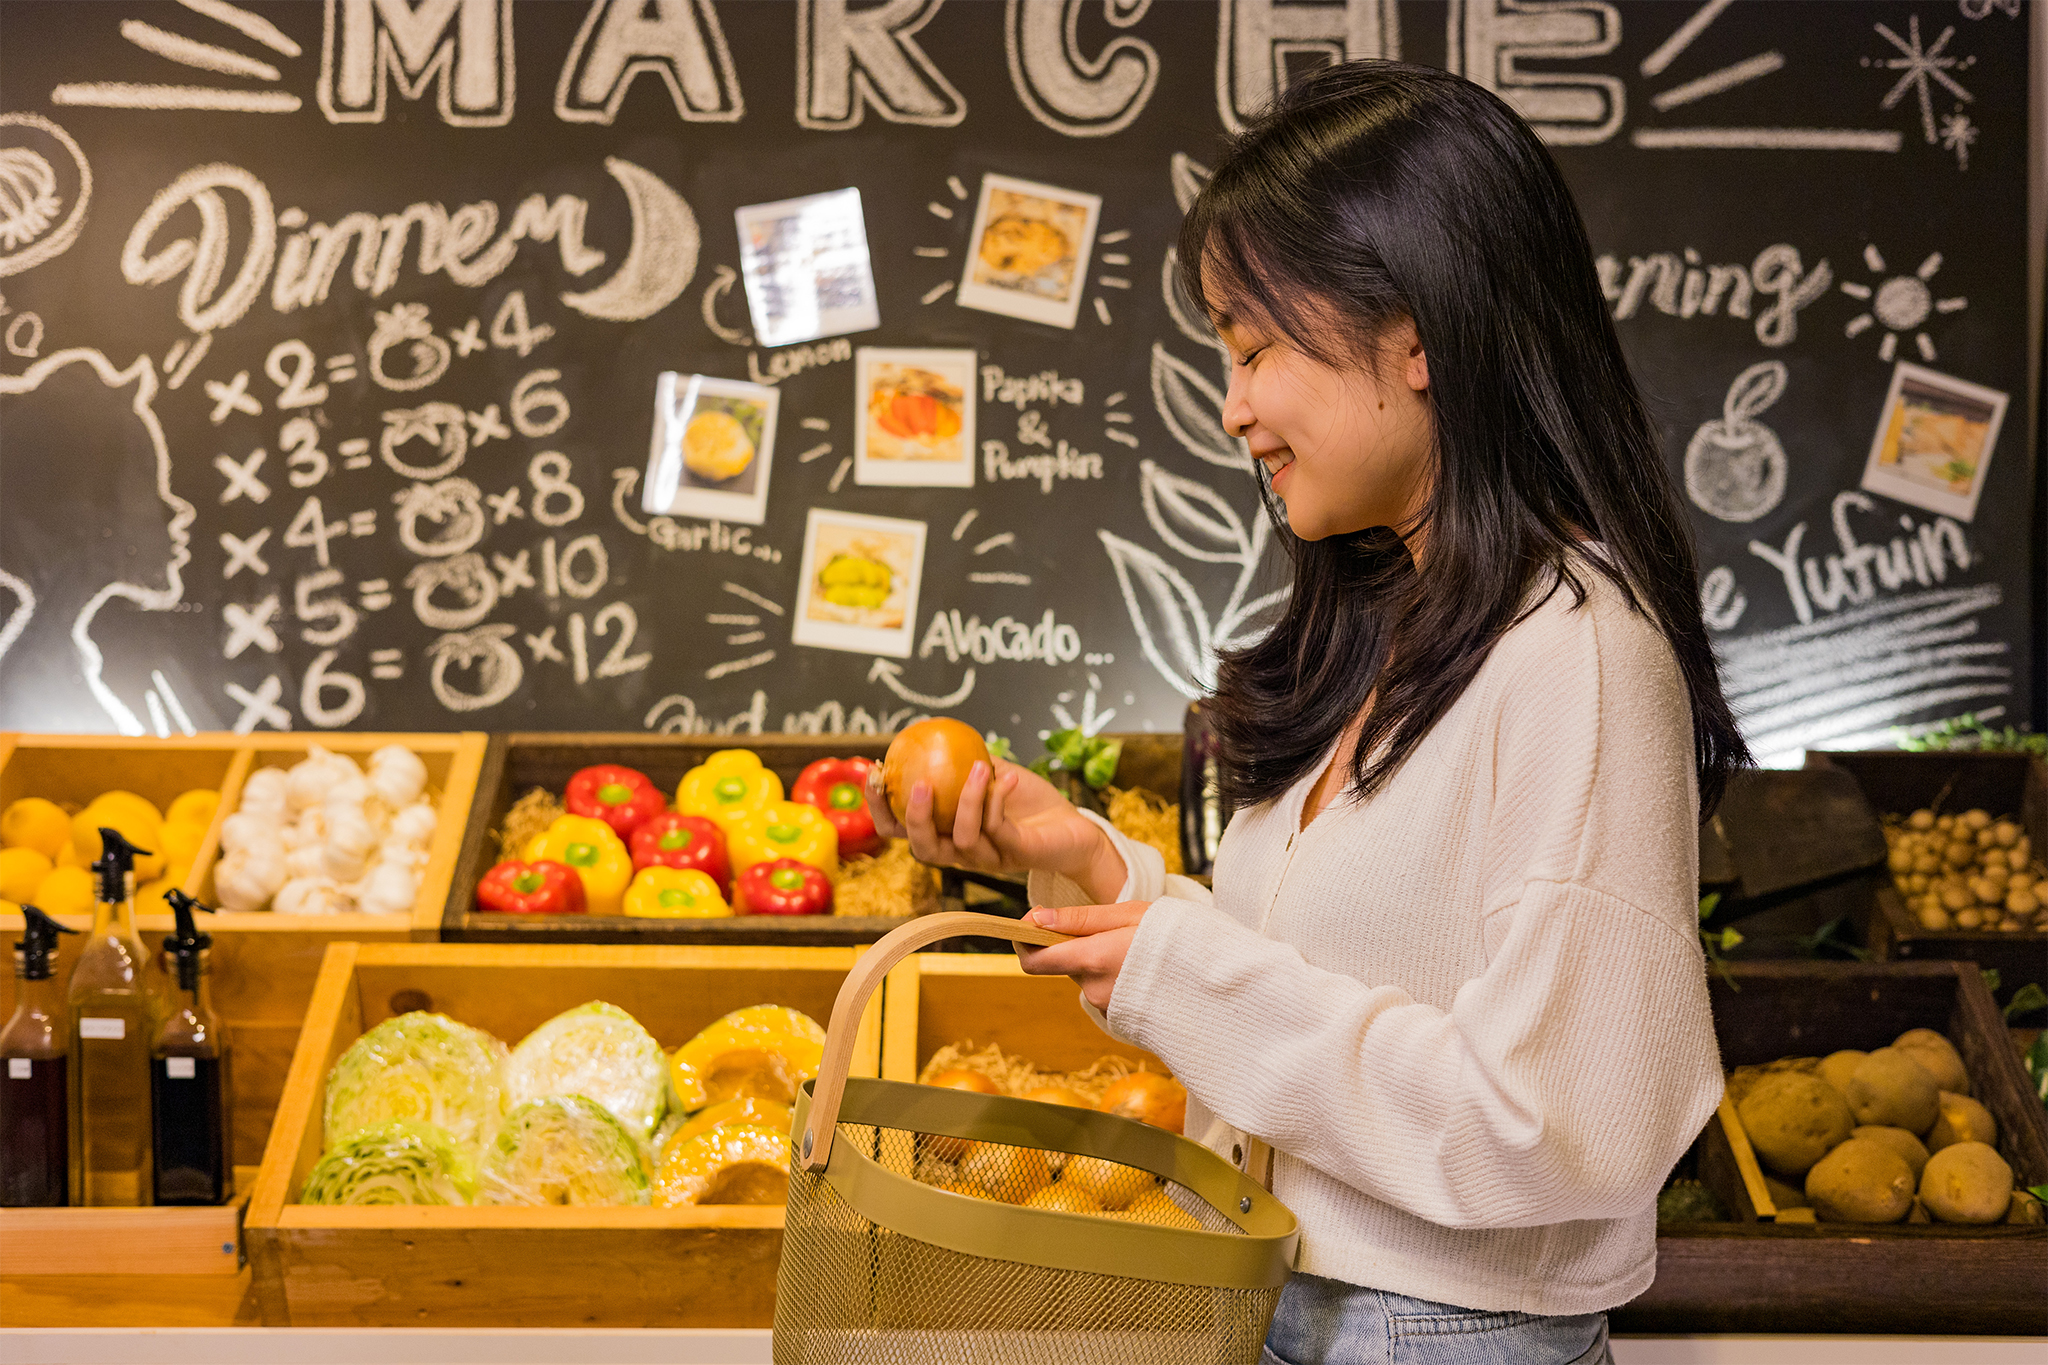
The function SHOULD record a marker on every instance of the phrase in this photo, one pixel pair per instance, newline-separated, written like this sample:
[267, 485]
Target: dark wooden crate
[2005, 785]
[1763, 1277]
[1790, 851]
[515, 763]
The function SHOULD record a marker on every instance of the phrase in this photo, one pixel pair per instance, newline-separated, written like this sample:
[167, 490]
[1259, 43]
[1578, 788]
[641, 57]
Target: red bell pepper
[623, 798]
[838, 787]
[673, 839]
[541, 887]
[785, 887]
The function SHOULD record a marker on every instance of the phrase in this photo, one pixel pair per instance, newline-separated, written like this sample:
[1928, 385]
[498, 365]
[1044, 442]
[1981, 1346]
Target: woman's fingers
[998, 797]
[925, 841]
[1082, 920]
[886, 823]
[967, 820]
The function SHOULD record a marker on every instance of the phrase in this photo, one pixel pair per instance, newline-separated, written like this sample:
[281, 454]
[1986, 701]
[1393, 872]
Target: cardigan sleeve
[1146, 876]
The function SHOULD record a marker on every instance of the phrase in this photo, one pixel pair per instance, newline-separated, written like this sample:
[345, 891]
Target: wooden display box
[2004, 784]
[712, 1266]
[262, 964]
[515, 764]
[1761, 1276]
[933, 999]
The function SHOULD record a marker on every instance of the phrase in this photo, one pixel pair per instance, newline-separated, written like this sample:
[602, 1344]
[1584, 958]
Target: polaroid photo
[1933, 442]
[914, 423]
[806, 267]
[713, 448]
[1028, 255]
[859, 583]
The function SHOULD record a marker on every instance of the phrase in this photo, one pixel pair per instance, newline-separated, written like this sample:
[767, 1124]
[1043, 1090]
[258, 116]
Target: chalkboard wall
[332, 334]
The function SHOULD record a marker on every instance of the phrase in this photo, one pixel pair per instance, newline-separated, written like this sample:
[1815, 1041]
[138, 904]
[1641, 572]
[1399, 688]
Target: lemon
[138, 821]
[716, 446]
[149, 899]
[66, 891]
[69, 856]
[21, 871]
[196, 806]
[35, 823]
[179, 841]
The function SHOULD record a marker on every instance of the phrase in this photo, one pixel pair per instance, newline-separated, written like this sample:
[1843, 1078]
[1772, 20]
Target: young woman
[1449, 972]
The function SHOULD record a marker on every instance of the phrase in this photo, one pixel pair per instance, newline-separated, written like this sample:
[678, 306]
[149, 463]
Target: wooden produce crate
[934, 999]
[711, 1266]
[2002, 783]
[1757, 1275]
[263, 964]
[517, 763]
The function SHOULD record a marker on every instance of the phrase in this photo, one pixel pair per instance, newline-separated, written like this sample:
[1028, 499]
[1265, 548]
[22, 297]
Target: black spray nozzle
[38, 942]
[187, 939]
[116, 861]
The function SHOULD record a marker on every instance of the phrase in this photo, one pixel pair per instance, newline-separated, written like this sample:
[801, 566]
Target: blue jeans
[1328, 1322]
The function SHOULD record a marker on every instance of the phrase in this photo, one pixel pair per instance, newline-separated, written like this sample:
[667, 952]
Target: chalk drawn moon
[31, 192]
[662, 259]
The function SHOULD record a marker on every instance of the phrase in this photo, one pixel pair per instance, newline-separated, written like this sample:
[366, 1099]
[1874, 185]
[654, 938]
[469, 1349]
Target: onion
[939, 751]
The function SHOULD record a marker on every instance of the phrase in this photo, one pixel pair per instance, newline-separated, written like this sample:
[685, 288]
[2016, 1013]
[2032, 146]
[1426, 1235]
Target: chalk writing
[1923, 556]
[1044, 641]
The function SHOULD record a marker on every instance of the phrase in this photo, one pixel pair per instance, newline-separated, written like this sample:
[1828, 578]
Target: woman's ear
[1415, 365]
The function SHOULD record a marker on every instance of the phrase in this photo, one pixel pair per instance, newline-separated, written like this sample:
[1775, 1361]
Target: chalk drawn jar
[1735, 467]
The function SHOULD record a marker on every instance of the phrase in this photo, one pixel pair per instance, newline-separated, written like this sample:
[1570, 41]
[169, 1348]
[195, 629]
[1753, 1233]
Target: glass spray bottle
[115, 1011]
[35, 1107]
[188, 1076]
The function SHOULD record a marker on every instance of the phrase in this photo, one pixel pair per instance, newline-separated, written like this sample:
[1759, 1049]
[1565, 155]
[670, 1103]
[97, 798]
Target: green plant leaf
[1100, 766]
[1708, 903]
[1992, 980]
[2026, 998]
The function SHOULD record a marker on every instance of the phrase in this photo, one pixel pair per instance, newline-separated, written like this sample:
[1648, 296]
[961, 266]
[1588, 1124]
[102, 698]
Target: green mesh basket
[923, 1223]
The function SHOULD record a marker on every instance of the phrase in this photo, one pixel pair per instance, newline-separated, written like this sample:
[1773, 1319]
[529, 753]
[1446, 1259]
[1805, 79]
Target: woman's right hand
[1010, 821]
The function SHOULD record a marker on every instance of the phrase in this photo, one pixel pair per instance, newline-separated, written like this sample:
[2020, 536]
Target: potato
[1890, 1089]
[1975, 819]
[1921, 819]
[1967, 1182]
[2006, 832]
[1900, 1141]
[1861, 1181]
[1962, 1120]
[1970, 919]
[1836, 1068]
[1793, 1120]
[1937, 1057]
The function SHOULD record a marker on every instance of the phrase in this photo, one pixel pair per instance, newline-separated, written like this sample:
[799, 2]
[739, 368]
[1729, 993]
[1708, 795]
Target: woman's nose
[1237, 411]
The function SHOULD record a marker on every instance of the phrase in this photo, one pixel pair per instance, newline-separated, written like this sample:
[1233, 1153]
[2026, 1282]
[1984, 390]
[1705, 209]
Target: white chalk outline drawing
[889, 674]
[675, 405]
[499, 667]
[201, 261]
[185, 51]
[1067, 91]
[957, 366]
[1735, 466]
[408, 55]
[894, 642]
[1920, 65]
[1979, 9]
[38, 197]
[660, 262]
[260, 707]
[989, 298]
[1254, 38]
[1844, 681]
[609, 25]
[911, 89]
[1899, 304]
[1727, 78]
[1173, 626]
[1090, 722]
[141, 373]
[1958, 135]
[1487, 39]
[723, 278]
[1889, 482]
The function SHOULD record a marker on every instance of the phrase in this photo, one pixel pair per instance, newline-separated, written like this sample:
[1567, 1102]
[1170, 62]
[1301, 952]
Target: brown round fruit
[1147, 1097]
[1063, 1199]
[1058, 1094]
[959, 1078]
[939, 751]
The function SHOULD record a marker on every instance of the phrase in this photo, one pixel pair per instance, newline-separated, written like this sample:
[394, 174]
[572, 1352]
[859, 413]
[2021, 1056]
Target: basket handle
[814, 1147]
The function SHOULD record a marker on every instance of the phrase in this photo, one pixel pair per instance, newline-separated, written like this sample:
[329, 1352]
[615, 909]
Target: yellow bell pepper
[597, 854]
[787, 829]
[727, 786]
[674, 893]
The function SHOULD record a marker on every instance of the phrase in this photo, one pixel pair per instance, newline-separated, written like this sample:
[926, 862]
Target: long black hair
[1376, 191]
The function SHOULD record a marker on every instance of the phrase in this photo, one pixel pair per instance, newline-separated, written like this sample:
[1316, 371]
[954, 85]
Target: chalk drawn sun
[1900, 304]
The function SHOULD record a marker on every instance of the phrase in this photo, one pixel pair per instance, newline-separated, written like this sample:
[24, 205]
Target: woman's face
[1345, 449]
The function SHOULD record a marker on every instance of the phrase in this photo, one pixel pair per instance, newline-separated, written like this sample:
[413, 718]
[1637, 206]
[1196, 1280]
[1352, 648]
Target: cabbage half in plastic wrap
[418, 1066]
[564, 1149]
[597, 1051]
[401, 1162]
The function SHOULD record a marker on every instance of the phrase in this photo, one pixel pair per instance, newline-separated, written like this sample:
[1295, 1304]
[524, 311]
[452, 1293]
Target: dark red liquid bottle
[35, 1108]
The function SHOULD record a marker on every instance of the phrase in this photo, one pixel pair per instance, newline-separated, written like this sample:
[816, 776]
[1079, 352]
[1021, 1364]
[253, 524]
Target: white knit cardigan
[1469, 1014]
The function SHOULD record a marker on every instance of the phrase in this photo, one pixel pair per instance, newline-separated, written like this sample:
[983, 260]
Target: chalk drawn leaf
[1235, 627]
[1189, 176]
[1173, 630]
[1171, 501]
[1193, 323]
[1192, 409]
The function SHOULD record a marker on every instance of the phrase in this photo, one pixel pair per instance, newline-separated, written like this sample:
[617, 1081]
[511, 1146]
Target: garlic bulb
[246, 829]
[388, 890]
[397, 850]
[307, 782]
[263, 795]
[346, 850]
[415, 824]
[248, 877]
[351, 791]
[313, 895]
[397, 775]
[308, 859]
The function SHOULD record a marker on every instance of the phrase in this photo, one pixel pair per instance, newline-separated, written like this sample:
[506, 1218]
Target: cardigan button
[1237, 1155]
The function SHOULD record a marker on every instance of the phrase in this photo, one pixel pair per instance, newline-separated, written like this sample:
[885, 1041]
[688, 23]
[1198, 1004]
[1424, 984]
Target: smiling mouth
[1277, 464]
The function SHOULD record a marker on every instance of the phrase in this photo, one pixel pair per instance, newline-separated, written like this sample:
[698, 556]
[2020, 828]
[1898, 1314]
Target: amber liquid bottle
[188, 1078]
[114, 1015]
[35, 1106]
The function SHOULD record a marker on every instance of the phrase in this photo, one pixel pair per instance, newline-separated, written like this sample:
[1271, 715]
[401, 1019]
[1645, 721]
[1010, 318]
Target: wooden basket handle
[814, 1147]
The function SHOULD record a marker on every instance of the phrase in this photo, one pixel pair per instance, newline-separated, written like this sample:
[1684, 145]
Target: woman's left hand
[1102, 934]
